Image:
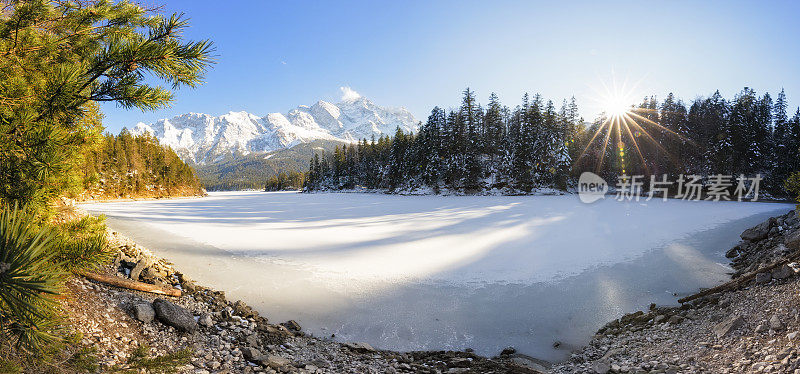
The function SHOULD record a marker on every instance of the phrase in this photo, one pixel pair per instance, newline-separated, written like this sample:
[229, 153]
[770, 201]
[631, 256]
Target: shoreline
[256, 344]
[512, 360]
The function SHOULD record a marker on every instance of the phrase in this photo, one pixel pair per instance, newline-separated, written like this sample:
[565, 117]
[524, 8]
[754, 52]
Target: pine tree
[60, 56]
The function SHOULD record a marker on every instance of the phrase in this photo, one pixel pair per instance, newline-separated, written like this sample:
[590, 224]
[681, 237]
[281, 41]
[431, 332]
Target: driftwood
[131, 285]
[738, 281]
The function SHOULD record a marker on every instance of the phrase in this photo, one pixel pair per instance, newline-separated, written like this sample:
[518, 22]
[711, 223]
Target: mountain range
[202, 139]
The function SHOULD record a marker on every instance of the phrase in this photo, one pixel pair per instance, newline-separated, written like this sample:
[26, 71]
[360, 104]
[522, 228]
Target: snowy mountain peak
[203, 138]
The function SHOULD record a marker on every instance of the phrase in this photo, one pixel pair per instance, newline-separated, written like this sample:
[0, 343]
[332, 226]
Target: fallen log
[130, 284]
[738, 281]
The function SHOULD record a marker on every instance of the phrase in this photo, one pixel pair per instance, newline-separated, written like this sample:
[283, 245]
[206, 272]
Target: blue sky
[275, 55]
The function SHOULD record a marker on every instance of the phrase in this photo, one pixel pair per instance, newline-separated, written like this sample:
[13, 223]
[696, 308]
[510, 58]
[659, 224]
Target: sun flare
[616, 105]
[624, 126]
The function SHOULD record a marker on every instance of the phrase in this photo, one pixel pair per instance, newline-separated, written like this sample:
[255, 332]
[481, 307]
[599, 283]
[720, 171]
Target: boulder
[143, 312]
[241, 309]
[251, 354]
[733, 252]
[139, 268]
[174, 315]
[727, 326]
[205, 320]
[762, 278]
[792, 240]
[601, 367]
[292, 325]
[759, 231]
[508, 351]
[775, 323]
[274, 361]
[782, 272]
[252, 340]
[359, 347]
[675, 319]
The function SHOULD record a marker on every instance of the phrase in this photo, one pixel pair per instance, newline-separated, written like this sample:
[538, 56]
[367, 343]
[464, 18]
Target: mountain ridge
[202, 138]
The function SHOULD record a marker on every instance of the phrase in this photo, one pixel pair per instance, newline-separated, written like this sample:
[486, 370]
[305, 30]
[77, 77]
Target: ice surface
[443, 272]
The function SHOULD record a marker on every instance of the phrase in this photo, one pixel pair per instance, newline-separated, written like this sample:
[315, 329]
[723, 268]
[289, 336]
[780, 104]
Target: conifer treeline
[535, 145]
[136, 166]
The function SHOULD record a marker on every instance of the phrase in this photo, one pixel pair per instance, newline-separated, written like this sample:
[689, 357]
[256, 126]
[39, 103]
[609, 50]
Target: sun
[616, 105]
[624, 126]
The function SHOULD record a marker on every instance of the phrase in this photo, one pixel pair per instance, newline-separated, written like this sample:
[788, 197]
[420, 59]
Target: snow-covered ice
[443, 272]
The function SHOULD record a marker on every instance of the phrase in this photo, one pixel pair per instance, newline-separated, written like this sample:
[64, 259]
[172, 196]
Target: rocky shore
[751, 327]
[224, 336]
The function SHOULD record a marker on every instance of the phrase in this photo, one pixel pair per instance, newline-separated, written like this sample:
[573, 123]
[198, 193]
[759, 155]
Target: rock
[292, 325]
[251, 354]
[782, 272]
[791, 335]
[174, 315]
[725, 327]
[508, 351]
[792, 240]
[529, 362]
[733, 252]
[274, 361]
[775, 323]
[762, 278]
[601, 367]
[252, 340]
[137, 270]
[359, 347]
[659, 318]
[144, 312]
[759, 231]
[674, 320]
[761, 328]
[205, 320]
[241, 309]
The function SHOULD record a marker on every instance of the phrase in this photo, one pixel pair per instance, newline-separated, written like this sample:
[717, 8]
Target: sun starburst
[626, 123]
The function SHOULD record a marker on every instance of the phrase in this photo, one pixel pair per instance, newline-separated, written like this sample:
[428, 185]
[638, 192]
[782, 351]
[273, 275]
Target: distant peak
[349, 95]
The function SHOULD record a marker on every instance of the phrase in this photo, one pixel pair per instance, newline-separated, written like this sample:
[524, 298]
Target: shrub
[28, 280]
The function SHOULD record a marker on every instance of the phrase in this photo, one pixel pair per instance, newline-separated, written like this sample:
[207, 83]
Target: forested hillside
[135, 166]
[253, 171]
[535, 145]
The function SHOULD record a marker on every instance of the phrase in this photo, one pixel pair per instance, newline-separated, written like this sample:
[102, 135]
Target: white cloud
[349, 94]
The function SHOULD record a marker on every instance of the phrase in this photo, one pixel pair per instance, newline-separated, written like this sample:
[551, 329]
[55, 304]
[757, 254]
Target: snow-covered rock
[202, 138]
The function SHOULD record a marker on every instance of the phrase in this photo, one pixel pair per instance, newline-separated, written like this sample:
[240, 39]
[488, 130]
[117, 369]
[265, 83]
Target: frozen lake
[443, 272]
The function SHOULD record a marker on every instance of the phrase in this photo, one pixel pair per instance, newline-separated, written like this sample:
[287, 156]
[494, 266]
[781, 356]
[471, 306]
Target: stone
[727, 326]
[252, 340]
[759, 231]
[792, 240]
[762, 278]
[292, 325]
[761, 328]
[791, 335]
[241, 309]
[783, 272]
[733, 252]
[775, 323]
[144, 312]
[601, 367]
[359, 347]
[274, 361]
[174, 315]
[137, 270]
[674, 320]
[205, 320]
[659, 318]
[251, 354]
[529, 363]
[508, 351]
